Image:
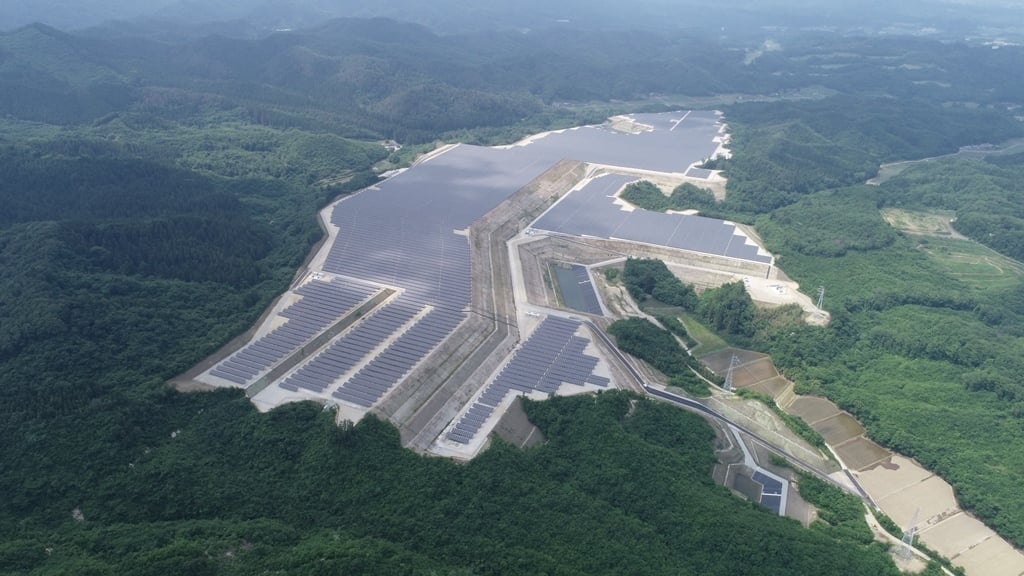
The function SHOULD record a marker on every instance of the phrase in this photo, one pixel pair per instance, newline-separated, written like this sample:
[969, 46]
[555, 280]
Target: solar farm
[593, 211]
[397, 278]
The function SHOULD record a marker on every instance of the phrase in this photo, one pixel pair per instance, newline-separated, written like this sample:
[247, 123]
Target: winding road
[695, 406]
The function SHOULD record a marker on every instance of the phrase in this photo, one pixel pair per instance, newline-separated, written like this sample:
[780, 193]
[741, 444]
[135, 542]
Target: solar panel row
[346, 352]
[773, 503]
[553, 355]
[390, 366]
[322, 304]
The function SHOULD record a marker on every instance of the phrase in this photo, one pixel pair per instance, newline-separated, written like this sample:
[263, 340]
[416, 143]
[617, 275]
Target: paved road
[695, 406]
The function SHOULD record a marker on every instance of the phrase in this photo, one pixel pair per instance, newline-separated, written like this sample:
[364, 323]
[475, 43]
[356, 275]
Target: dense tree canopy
[645, 278]
[792, 150]
[685, 196]
[830, 224]
[728, 309]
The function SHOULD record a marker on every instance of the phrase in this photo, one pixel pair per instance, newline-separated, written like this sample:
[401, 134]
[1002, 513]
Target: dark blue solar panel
[773, 503]
[771, 486]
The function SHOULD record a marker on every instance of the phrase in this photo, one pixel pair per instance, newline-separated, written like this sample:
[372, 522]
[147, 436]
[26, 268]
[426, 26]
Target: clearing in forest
[935, 223]
[974, 264]
[962, 258]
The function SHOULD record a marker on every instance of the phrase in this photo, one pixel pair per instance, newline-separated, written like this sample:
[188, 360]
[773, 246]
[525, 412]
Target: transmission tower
[821, 296]
[907, 549]
[733, 364]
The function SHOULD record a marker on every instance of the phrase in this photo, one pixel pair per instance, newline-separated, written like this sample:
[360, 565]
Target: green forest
[650, 278]
[726, 309]
[291, 492]
[924, 344]
[157, 193]
[686, 196]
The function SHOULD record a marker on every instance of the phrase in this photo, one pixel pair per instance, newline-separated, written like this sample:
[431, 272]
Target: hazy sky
[468, 14]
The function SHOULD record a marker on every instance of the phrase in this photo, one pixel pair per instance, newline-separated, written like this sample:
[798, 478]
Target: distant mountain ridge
[354, 74]
[453, 16]
[382, 78]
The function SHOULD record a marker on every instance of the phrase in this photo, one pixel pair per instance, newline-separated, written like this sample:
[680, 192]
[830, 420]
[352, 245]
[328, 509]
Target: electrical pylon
[733, 364]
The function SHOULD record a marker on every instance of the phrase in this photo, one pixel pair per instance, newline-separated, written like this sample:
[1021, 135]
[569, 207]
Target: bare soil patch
[745, 485]
[955, 535]
[891, 475]
[627, 125]
[754, 372]
[188, 385]
[812, 409]
[719, 361]
[993, 557]
[860, 452]
[773, 387]
[839, 428]
[515, 428]
[762, 420]
[931, 500]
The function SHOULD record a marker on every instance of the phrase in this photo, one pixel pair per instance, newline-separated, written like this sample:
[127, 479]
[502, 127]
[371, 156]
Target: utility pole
[733, 364]
[907, 549]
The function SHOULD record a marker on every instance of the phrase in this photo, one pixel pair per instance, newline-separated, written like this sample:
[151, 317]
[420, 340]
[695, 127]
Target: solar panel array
[592, 211]
[381, 240]
[671, 145]
[322, 304]
[364, 353]
[771, 492]
[403, 233]
[553, 355]
[421, 254]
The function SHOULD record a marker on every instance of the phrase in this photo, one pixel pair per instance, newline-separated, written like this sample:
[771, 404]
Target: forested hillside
[397, 80]
[236, 492]
[157, 193]
[925, 341]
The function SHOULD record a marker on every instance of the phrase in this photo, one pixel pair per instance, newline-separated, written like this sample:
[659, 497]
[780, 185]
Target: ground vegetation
[922, 345]
[157, 193]
[647, 278]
